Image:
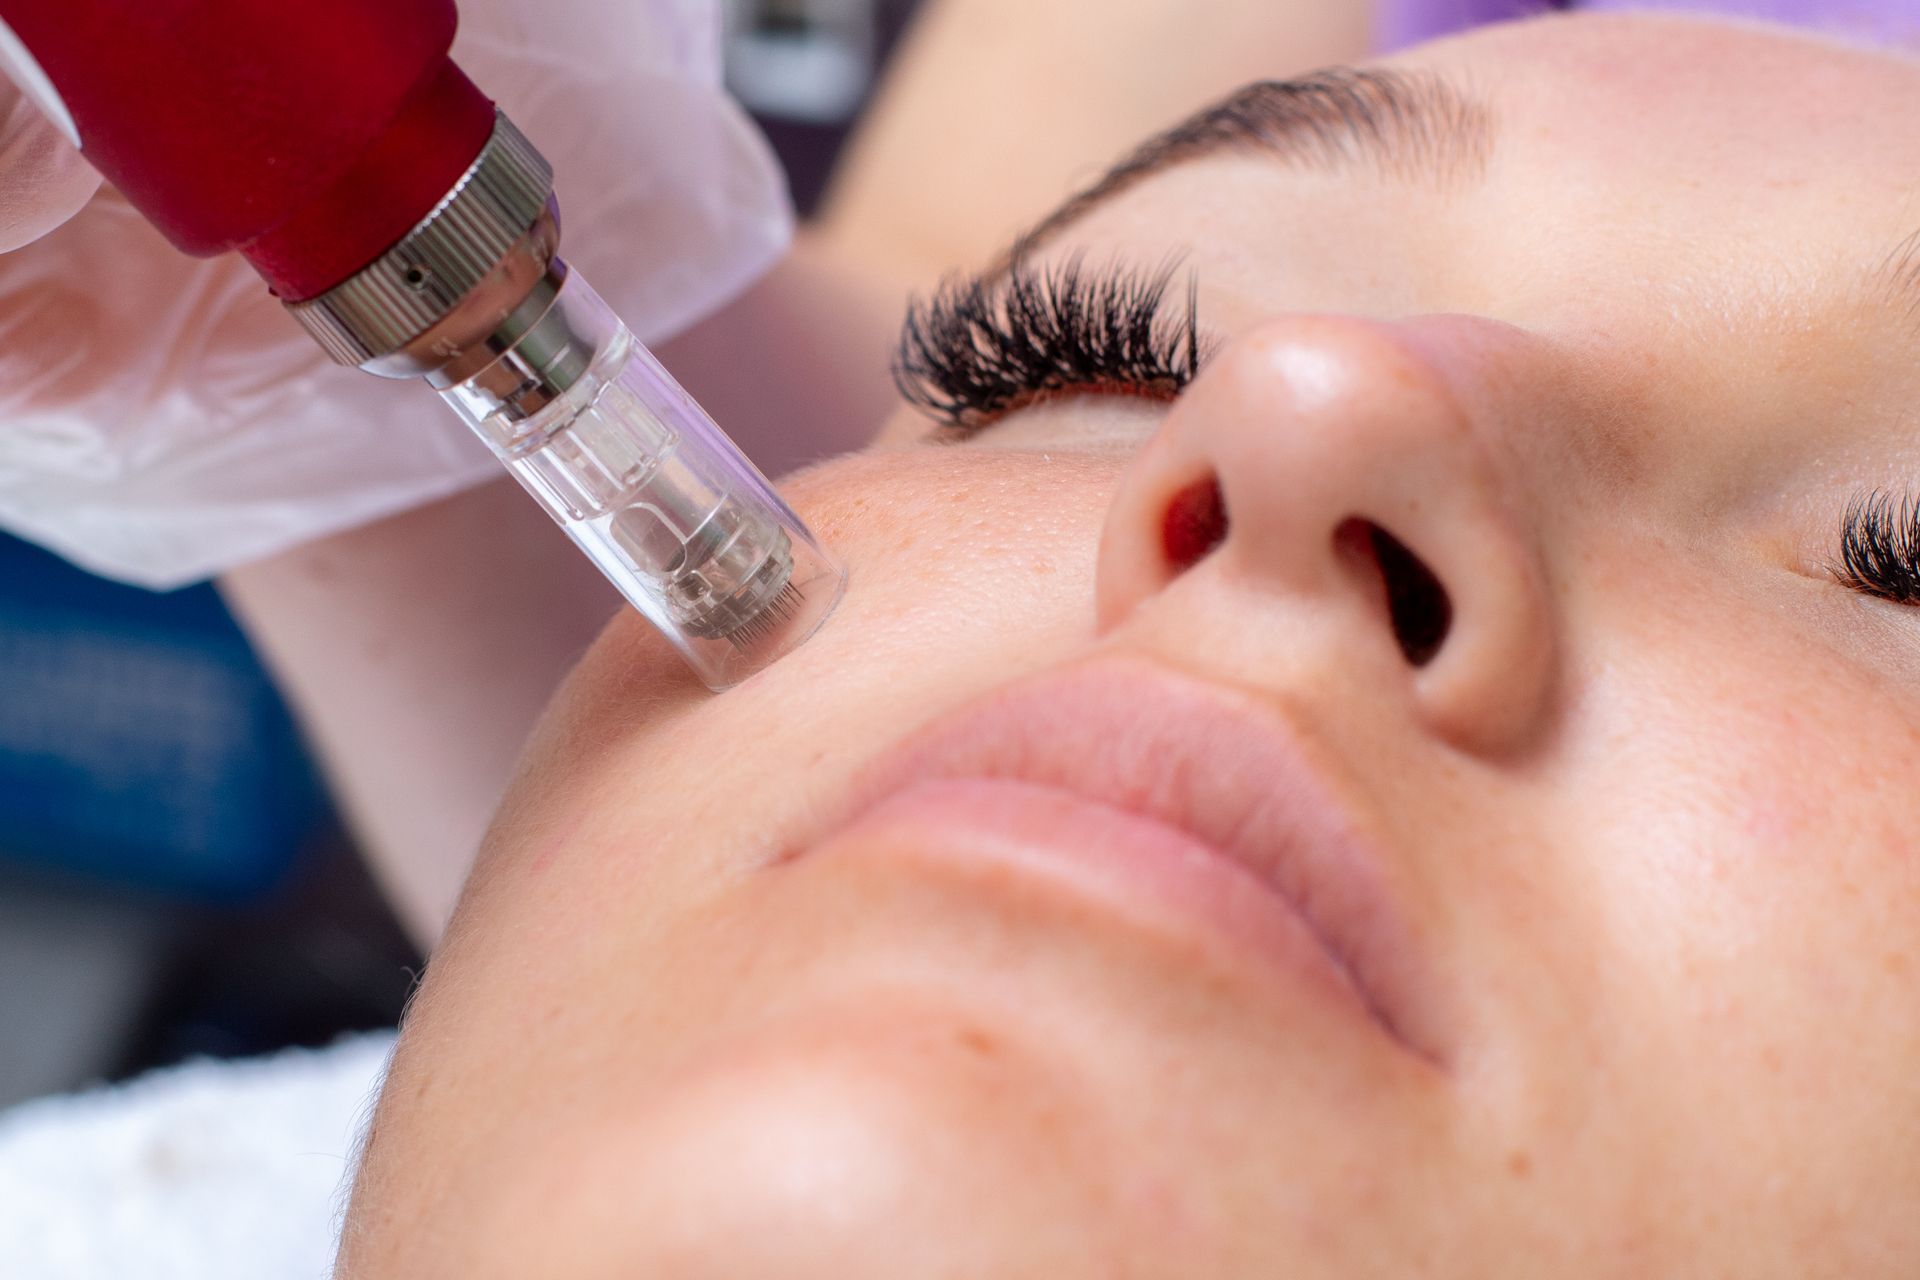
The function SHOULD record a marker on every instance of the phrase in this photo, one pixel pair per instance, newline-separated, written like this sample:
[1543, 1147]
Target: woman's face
[1122, 885]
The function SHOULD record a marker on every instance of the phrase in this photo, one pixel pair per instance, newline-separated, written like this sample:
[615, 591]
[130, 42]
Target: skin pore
[1643, 819]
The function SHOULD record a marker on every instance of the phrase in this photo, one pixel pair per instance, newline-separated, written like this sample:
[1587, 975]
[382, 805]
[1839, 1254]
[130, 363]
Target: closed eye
[1880, 547]
[980, 349]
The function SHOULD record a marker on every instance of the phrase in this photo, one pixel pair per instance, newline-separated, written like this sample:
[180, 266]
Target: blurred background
[173, 880]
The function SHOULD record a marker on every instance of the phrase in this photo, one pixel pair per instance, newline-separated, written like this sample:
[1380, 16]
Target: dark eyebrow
[1413, 126]
[1895, 280]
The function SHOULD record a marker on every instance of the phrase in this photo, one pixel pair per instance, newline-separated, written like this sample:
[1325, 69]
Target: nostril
[1417, 603]
[1195, 523]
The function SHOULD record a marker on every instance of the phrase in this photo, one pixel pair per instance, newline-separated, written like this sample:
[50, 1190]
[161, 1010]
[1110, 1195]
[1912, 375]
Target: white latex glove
[43, 180]
[161, 419]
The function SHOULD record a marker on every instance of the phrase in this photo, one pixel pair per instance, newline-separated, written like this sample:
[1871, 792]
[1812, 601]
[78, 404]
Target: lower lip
[1159, 877]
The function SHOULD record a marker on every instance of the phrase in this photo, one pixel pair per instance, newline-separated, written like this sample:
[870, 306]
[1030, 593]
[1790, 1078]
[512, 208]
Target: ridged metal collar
[410, 287]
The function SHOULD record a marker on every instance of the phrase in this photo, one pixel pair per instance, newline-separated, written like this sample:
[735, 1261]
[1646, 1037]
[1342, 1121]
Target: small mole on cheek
[979, 1042]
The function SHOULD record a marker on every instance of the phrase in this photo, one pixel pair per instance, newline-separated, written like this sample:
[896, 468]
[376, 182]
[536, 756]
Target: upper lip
[1219, 765]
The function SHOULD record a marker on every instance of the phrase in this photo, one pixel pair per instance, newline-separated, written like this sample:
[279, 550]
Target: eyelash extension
[979, 349]
[1880, 547]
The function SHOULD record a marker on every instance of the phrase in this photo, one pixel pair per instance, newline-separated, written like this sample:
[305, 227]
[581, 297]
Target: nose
[1352, 465]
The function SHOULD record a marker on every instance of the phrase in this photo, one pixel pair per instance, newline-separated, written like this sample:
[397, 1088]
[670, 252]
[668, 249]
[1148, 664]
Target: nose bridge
[1322, 433]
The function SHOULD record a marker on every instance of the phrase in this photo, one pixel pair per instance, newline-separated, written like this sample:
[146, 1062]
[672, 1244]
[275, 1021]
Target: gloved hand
[162, 420]
[43, 180]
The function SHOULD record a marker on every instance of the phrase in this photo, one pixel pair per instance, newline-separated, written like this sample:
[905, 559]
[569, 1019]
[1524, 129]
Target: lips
[1162, 771]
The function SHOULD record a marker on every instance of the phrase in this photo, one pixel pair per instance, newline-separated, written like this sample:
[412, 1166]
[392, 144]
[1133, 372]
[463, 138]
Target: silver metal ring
[412, 286]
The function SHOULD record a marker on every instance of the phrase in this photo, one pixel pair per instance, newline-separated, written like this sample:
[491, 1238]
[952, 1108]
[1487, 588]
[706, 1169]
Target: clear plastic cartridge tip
[476, 300]
[644, 482]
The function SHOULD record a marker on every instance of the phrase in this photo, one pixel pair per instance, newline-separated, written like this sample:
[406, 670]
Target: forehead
[1646, 172]
[1673, 97]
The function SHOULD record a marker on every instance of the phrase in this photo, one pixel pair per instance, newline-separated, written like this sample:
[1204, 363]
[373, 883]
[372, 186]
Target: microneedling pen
[476, 300]
[413, 231]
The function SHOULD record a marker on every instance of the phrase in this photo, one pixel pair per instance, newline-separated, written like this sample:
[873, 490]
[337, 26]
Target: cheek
[1731, 899]
[1747, 751]
[1749, 793]
[959, 511]
[643, 796]
[965, 568]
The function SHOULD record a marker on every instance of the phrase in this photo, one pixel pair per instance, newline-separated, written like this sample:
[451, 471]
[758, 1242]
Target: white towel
[204, 1171]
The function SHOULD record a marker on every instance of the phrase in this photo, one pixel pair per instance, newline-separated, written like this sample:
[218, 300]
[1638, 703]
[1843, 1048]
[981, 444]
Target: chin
[879, 1139]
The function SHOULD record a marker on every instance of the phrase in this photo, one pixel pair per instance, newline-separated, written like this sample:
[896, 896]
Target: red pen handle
[310, 135]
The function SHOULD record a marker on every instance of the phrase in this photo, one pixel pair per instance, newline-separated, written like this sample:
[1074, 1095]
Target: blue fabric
[1890, 22]
[140, 741]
